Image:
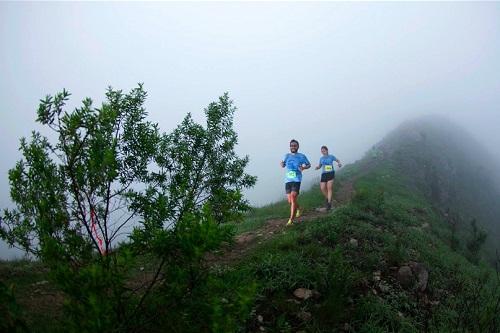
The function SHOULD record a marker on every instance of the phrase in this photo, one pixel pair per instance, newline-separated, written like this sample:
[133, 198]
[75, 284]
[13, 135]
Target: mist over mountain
[449, 166]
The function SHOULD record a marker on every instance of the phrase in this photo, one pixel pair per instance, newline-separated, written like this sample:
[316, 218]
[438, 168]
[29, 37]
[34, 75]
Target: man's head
[294, 146]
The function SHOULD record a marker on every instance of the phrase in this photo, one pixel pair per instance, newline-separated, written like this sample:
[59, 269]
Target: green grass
[307, 199]
[392, 225]
[250, 223]
[29, 282]
[21, 272]
[257, 216]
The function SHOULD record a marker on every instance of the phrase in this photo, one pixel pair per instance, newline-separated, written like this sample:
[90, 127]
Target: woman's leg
[329, 186]
[324, 190]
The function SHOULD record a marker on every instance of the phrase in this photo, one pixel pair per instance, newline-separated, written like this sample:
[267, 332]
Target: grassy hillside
[351, 259]
[450, 168]
[383, 261]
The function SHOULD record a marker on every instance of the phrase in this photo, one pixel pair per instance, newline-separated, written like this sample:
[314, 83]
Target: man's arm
[283, 161]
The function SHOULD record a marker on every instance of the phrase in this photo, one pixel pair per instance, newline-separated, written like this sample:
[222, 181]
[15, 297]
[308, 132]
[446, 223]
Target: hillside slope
[453, 171]
[385, 260]
[382, 261]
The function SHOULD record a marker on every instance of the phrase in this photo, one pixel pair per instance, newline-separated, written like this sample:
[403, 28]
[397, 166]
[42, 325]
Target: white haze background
[335, 74]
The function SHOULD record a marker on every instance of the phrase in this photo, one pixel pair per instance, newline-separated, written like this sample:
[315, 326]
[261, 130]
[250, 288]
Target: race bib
[291, 174]
[328, 168]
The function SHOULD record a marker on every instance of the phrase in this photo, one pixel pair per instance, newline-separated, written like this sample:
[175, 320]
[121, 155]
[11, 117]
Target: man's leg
[288, 190]
[294, 205]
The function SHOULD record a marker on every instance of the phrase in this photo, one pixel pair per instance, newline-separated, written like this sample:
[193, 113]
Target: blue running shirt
[326, 163]
[292, 164]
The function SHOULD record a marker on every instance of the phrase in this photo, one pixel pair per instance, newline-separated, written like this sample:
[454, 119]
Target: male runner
[295, 163]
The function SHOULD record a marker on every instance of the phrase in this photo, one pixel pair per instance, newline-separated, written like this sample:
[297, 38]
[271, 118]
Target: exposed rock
[426, 225]
[421, 273]
[245, 238]
[262, 329]
[40, 283]
[413, 253]
[405, 276]
[353, 242]
[260, 319]
[383, 287]
[376, 276]
[316, 294]
[303, 293]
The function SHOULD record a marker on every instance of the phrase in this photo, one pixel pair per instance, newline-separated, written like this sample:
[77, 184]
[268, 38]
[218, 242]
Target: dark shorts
[292, 187]
[327, 176]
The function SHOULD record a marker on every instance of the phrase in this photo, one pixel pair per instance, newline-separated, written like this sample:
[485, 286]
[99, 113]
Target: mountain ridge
[382, 261]
[434, 152]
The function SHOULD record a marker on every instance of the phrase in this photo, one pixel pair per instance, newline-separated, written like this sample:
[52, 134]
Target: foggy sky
[335, 74]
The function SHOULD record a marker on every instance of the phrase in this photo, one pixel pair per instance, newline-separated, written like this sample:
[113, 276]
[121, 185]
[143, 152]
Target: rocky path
[246, 241]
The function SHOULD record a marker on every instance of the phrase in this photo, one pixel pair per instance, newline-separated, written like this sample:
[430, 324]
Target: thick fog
[335, 74]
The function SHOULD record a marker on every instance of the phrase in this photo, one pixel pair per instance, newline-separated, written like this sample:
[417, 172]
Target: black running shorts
[292, 187]
[325, 177]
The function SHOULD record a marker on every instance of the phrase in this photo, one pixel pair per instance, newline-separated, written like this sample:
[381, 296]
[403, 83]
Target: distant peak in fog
[439, 131]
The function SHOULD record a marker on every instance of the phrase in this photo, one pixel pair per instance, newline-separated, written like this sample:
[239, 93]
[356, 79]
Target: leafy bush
[110, 171]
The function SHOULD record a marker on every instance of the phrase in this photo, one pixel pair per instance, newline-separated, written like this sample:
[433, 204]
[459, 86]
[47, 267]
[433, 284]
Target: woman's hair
[324, 147]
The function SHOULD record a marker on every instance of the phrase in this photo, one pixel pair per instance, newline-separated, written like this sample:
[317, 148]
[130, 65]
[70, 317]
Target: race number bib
[291, 174]
[328, 168]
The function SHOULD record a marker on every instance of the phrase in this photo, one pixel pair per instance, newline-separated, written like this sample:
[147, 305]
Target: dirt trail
[248, 240]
